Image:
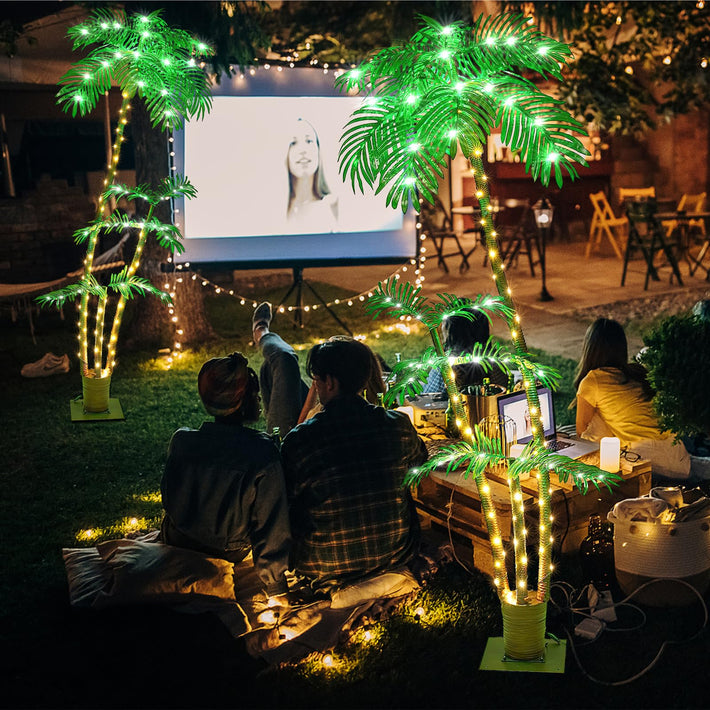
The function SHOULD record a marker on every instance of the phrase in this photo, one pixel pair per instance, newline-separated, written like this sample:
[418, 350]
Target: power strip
[601, 604]
[589, 629]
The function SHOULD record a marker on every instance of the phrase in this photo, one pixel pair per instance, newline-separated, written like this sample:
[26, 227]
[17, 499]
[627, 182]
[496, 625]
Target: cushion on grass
[152, 571]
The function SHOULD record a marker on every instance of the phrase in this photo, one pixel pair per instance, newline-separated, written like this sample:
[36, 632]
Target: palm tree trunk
[516, 333]
[152, 324]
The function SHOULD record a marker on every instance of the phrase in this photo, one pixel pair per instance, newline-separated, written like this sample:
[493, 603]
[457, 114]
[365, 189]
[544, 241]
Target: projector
[430, 409]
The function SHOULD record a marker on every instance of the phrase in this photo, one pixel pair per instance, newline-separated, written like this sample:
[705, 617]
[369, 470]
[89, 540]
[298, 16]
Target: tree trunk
[154, 323]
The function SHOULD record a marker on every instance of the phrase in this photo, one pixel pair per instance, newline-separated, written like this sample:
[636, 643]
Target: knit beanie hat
[224, 382]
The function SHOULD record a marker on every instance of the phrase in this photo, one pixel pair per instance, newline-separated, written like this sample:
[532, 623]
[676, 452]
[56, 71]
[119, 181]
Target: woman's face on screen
[303, 151]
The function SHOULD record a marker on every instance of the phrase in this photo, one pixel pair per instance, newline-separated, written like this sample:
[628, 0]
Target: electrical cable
[663, 646]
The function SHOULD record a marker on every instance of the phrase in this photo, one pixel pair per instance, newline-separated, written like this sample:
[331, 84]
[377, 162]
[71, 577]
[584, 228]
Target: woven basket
[677, 551]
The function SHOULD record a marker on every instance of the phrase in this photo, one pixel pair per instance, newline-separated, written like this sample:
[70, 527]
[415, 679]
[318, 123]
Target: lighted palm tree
[159, 64]
[448, 88]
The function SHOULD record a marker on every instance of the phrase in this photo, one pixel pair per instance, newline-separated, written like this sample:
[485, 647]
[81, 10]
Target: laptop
[515, 406]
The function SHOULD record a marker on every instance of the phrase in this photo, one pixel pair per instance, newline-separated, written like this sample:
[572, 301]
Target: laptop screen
[514, 406]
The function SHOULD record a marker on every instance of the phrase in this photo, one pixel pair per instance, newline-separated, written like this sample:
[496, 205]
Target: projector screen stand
[297, 287]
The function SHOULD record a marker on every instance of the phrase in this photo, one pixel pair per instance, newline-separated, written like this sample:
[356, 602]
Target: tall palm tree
[446, 89]
[148, 59]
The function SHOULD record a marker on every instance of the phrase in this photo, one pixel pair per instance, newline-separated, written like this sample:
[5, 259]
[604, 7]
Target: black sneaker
[262, 316]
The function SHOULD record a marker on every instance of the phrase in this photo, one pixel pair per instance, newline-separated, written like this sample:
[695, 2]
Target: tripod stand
[297, 286]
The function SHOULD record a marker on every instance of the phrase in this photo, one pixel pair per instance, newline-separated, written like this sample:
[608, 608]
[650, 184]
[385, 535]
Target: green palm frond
[487, 355]
[408, 378]
[471, 459]
[540, 128]
[71, 292]
[449, 112]
[509, 40]
[366, 129]
[170, 187]
[534, 371]
[129, 286]
[175, 186]
[582, 474]
[399, 299]
[82, 234]
[142, 55]
[168, 236]
[451, 305]
[448, 87]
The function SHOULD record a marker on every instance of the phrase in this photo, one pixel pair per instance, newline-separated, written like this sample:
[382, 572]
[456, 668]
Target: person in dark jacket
[223, 486]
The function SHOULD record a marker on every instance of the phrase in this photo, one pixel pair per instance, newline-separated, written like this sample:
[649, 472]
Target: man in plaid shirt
[351, 516]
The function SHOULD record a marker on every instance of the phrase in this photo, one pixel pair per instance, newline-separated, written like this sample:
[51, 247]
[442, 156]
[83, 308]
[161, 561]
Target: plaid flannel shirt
[350, 514]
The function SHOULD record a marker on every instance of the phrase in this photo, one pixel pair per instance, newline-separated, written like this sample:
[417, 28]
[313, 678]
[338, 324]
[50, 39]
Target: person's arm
[271, 532]
[587, 399]
[311, 401]
[585, 412]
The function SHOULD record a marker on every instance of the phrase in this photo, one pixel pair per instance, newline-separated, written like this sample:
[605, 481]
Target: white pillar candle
[609, 454]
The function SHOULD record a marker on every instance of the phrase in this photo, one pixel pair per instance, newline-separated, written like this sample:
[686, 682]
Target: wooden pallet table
[451, 502]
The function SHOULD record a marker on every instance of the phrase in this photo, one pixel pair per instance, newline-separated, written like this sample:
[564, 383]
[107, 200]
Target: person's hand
[311, 401]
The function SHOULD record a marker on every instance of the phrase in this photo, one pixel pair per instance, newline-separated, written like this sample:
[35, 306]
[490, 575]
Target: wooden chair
[604, 222]
[647, 235]
[689, 203]
[636, 193]
[438, 226]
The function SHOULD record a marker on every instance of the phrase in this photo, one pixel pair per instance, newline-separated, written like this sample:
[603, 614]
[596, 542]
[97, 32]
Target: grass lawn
[71, 485]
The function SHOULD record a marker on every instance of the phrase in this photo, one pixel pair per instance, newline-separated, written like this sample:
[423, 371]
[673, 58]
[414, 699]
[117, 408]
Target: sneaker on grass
[49, 364]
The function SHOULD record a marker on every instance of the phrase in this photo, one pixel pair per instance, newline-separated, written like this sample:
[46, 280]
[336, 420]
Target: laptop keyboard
[557, 445]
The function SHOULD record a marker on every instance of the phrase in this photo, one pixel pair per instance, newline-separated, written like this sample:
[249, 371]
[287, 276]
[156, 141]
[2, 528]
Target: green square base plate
[78, 414]
[494, 658]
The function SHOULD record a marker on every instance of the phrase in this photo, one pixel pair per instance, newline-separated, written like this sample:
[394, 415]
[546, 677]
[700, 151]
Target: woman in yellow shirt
[614, 399]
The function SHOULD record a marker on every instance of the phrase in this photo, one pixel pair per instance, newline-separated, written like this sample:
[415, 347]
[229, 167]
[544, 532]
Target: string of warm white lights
[182, 272]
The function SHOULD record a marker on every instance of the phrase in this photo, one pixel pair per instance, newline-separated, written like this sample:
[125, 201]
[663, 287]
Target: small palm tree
[159, 64]
[447, 88]
[479, 450]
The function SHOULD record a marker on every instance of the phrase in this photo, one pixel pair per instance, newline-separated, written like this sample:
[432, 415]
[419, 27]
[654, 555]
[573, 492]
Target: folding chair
[604, 222]
[647, 235]
[438, 227]
[636, 193]
[689, 203]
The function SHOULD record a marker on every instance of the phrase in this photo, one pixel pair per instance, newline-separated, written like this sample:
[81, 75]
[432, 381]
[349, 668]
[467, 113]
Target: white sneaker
[48, 364]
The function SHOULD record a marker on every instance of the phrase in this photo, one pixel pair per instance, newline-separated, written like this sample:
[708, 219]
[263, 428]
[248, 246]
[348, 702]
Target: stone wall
[36, 232]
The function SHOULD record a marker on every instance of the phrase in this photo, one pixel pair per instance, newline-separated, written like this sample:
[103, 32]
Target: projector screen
[264, 163]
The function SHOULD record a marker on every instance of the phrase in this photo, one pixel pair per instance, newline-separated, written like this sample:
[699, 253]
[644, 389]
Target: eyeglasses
[630, 456]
